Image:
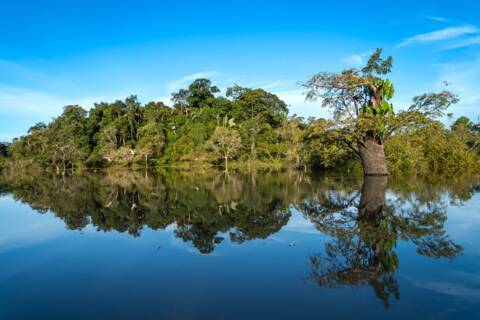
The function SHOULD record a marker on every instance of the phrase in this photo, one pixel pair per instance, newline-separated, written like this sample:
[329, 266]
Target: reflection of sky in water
[463, 224]
[455, 284]
[21, 227]
[112, 274]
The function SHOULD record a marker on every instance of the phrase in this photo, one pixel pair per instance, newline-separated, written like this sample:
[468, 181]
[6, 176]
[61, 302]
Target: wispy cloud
[292, 96]
[447, 288]
[26, 228]
[439, 35]
[464, 80]
[268, 85]
[356, 60]
[295, 99]
[23, 101]
[472, 41]
[177, 84]
[438, 19]
[28, 102]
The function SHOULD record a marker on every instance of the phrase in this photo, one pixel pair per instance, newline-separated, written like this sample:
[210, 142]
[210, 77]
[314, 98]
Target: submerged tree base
[372, 155]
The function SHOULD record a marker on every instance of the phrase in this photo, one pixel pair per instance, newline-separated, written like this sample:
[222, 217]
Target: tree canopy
[252, 128]
[363, 115]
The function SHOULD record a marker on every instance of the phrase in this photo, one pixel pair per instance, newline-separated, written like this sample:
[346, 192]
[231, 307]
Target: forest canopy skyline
[252, 129]
[87, 52]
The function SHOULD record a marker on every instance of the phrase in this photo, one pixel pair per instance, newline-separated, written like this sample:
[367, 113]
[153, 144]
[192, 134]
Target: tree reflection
[203, 207]
[363, 221]
[364, 234]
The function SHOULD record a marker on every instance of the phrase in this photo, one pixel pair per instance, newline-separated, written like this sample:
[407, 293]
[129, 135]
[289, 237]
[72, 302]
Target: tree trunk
[372, 200]
[372, 154]
[253, 152]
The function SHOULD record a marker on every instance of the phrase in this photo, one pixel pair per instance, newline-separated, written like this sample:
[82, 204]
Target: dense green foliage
[251, 128]
[4, 149]
[432, 148]
[365, 120]
[202, 206]
[248, 124]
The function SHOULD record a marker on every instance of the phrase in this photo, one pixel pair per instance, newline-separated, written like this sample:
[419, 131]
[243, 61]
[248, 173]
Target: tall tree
[200, 91]
[180, 100]
[251, 103]
[4, 149]
[68, 139]
[225, 143]
[198, 94]
[360, 103]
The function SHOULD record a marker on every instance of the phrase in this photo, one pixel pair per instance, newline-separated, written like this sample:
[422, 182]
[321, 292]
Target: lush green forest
[251, 128]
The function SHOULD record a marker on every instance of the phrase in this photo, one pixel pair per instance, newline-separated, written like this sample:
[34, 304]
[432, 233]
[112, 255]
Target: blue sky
[55, 53]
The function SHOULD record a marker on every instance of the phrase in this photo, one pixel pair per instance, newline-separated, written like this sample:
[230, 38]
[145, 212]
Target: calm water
[205, 246]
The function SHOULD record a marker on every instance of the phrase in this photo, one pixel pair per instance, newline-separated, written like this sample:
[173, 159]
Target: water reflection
[363, 221]
[365, 228]
[200, 206]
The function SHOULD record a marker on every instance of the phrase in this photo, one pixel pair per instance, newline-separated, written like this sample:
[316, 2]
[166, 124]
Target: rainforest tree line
[251, 128]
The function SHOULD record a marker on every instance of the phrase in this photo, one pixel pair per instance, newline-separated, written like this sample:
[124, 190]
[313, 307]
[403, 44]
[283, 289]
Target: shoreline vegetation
[251, 129]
